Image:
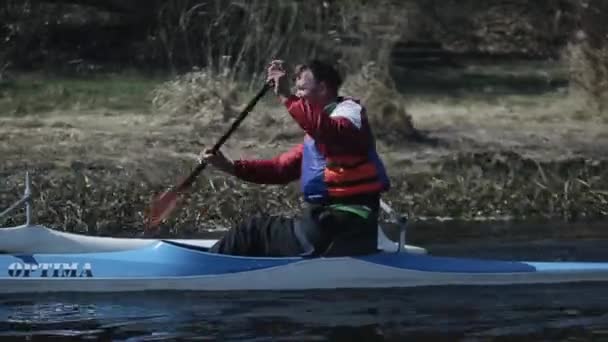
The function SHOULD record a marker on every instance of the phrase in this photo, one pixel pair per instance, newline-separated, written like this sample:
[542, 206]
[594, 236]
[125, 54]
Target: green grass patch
[34, 94]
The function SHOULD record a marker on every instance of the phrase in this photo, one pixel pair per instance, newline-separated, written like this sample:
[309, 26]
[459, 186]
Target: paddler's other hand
[218, 160]
[276, 73]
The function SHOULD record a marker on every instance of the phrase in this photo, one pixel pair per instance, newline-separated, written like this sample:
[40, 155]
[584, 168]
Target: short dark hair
[323, 72]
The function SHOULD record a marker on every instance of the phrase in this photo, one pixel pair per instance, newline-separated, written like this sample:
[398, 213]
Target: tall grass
[229, 43]
[107, 199]
[239, 35]
[589, 75]
[235, 56]
[587, 55]
[198, 94]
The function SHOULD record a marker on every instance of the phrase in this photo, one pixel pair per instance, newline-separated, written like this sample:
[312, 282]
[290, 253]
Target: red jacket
[334, 135]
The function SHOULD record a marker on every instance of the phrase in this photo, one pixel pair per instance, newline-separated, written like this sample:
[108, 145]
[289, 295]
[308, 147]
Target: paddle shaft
[199, 168]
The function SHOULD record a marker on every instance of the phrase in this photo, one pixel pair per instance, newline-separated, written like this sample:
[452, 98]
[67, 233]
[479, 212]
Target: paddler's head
[318, 82]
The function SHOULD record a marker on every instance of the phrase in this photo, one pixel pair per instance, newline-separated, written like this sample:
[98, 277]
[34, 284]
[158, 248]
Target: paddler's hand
[277, 73]
[218, 160]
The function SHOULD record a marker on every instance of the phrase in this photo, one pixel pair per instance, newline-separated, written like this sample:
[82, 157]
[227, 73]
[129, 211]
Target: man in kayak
[339, 169]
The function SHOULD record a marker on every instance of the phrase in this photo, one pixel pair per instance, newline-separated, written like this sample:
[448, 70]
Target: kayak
[183, 265]
[38, 259]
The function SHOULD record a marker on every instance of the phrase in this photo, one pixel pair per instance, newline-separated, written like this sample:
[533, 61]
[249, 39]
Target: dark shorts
[319, 231]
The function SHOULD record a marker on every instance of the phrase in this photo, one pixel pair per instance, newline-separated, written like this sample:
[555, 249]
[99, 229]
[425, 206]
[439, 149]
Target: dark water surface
[570, 312]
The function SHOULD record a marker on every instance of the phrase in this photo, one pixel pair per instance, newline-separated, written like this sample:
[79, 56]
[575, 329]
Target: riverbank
[493, 158]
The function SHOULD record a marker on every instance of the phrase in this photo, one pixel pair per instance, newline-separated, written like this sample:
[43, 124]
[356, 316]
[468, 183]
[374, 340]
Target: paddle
[163, 204]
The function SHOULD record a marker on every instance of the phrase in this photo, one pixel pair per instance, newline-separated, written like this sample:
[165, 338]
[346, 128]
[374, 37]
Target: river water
[541, 312]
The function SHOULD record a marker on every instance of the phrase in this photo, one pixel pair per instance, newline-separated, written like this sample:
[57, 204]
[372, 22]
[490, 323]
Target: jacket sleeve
[281, 169]
[341, 128]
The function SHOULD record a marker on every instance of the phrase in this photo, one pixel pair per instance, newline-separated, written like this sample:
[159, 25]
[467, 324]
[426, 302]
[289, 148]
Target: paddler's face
[308, 88]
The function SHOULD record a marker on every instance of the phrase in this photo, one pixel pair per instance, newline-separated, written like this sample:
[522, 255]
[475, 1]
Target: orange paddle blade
[161, 208]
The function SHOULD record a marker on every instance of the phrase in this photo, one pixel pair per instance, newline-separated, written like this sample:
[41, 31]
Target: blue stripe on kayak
[167, 260]
[569, 266]
[445, 264]
[160, 260]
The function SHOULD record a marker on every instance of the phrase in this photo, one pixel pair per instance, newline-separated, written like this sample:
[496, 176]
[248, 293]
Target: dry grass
[197, 94]
[110, 200]
[589, 75]
[212, 97]
[507, 185]
[123, 160]
[244, 49]
[587, 56]
[386, 108]
[240, 35]
[98, 179]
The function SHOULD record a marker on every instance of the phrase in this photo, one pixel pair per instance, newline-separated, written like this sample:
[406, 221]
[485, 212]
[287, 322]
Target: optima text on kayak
[52, 270]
